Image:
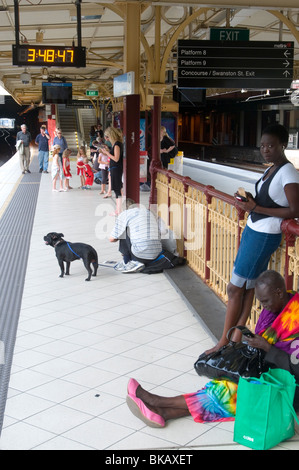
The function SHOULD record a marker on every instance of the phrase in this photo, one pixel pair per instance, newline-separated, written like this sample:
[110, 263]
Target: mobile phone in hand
[241, 195]
[241, 198]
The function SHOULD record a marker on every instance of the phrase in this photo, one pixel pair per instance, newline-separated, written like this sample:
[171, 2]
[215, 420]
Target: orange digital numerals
[49, 55]
[31, 55]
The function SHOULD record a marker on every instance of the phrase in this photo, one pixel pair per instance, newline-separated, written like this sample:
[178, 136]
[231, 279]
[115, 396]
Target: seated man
[139, 238]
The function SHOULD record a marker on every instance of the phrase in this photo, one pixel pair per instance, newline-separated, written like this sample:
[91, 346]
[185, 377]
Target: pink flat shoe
[132, 387]
[138, 408]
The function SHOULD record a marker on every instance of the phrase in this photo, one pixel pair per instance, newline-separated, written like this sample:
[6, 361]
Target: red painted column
[156, 158]
[131, 132]
[51, 124]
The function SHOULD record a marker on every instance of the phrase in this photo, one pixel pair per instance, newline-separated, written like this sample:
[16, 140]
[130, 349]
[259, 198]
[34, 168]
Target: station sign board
[229, 64]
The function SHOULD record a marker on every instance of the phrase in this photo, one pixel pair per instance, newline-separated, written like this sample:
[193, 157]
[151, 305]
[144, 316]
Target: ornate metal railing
[208, 228]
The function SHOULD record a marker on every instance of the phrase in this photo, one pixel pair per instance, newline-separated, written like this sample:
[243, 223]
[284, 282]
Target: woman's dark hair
[279, 131]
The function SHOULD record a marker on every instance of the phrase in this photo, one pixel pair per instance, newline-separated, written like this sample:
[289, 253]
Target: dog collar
[57, 243]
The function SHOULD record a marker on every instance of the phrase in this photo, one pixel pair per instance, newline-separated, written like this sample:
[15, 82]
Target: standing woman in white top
[277, 198]
[56, 168]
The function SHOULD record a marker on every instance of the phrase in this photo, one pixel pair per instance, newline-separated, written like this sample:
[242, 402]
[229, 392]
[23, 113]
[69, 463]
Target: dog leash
[73, 250]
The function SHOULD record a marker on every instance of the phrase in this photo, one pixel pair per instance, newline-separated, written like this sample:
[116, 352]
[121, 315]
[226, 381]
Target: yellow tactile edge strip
[10, 196]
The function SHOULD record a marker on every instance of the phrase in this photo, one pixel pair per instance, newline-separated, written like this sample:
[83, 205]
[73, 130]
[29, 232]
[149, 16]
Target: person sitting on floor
[276, 333]
[139, 238]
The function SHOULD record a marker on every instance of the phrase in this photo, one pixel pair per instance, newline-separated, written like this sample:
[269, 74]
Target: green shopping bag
[265, 413]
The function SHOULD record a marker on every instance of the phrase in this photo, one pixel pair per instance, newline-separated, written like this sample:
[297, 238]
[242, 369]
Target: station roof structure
[103, 34]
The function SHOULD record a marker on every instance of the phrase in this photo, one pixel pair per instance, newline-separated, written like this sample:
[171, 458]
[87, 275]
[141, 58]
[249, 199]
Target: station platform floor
[78, 343]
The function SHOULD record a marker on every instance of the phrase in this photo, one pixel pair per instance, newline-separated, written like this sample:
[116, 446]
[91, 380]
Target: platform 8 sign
[228, 64]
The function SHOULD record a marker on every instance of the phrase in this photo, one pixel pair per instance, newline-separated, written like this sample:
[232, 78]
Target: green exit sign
[229, 34]
[92, 93]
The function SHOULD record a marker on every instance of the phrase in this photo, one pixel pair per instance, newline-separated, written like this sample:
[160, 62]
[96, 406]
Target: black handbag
[232, 361]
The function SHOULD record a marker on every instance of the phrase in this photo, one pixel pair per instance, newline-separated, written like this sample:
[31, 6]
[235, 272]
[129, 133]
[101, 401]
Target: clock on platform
[50, 56]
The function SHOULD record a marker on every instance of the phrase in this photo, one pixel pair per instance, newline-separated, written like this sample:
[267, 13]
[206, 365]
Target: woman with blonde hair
[115, 158]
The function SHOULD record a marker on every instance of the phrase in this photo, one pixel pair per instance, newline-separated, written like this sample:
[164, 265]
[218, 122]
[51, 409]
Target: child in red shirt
[88, 174]
[80, 164]
[66, 165]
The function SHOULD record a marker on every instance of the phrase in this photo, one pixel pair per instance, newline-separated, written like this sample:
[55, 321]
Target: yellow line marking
[10, 196]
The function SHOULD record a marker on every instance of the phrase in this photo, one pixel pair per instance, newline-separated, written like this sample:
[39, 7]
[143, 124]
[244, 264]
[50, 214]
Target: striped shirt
[143, 232]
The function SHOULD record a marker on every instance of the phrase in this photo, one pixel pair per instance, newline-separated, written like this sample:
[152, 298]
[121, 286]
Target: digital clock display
[55, 56]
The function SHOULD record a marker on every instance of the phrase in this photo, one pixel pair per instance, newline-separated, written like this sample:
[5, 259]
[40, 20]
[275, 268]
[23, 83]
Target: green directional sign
[229, 34]
[92, 92]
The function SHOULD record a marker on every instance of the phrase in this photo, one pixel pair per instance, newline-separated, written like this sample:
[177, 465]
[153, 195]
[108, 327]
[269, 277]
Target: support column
[131, 113]
[51, 123]
[158, 90]
[132, 147]
[156, 158]
[132, 41]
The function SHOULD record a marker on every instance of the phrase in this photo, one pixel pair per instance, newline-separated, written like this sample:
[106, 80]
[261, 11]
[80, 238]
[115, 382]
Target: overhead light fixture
[45, 73]
[25, 77]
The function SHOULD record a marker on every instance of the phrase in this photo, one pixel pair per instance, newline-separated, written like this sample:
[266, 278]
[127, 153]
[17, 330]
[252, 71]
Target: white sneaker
[133, 267]
[120, 266]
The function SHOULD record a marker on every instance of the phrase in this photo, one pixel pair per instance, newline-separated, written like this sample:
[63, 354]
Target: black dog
[68, 252]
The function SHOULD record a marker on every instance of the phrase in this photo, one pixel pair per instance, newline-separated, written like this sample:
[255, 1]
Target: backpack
[165, 260]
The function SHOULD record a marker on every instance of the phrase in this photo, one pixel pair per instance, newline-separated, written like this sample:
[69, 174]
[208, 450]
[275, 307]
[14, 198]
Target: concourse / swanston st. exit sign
[228, 64]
